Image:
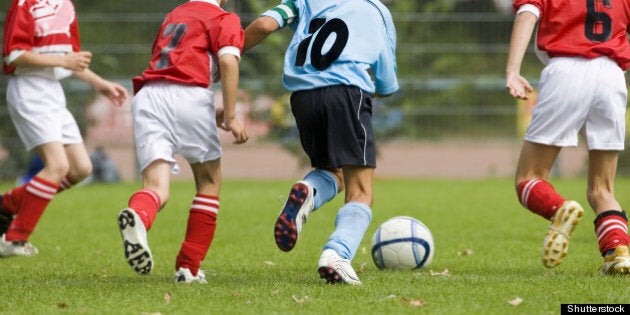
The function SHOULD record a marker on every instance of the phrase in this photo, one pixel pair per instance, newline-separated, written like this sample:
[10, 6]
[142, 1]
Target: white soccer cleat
[563, 222]
[336, 269]
[134, 236]
[617, 263]
[9, 249]
[183, 275]
[294, 213]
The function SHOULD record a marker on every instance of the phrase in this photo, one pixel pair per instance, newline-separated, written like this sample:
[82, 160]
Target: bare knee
[80, 172]
[55, 170]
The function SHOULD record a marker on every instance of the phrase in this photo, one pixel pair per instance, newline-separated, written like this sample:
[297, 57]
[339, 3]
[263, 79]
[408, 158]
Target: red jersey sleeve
[19, 32]
[227, 32]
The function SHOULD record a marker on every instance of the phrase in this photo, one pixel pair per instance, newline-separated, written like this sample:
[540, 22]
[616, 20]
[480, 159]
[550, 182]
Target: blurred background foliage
[450, 53]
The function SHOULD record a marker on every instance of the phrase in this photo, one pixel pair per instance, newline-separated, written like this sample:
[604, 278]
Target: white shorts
[172, 118]
[37, 107]
[580, 96]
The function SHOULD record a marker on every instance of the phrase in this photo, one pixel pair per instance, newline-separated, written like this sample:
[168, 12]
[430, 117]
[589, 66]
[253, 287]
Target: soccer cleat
[336, 269]
[5, 218]
[563, 222]
[21, 248]
[134, 236]
[183, 275]
[617, 263]
[294, 213]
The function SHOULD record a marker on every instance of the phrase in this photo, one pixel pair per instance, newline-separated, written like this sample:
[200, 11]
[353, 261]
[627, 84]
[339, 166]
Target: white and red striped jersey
[189, 43]
[583, 28]
[41, 26]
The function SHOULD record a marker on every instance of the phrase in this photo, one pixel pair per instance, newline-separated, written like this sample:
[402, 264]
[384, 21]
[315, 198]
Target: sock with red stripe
[202, 222]
[65, 184]
[146, 203]
[611, 228]
[540, 197]
[12, 199]
[37, 194]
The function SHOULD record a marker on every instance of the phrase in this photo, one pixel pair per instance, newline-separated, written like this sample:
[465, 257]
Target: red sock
[66, 183]
[202, 222]
[146, 204]
[38, 193]
[611, 228]
[540, 197]
[13, 198]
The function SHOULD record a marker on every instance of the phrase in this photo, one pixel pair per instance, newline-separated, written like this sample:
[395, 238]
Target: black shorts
[335, 125]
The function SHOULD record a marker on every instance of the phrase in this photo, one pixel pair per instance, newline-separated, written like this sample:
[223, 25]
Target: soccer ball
[402, 243]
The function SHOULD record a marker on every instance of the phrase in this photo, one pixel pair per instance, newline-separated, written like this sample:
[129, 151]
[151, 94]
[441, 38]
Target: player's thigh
[153, 125]
[605, 126]
[563, 103]
[37, 109]
[195, 127]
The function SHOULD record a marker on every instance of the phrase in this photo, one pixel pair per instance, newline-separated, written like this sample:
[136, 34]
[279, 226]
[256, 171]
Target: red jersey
[41, 26]
[187, 46]
[584, 28]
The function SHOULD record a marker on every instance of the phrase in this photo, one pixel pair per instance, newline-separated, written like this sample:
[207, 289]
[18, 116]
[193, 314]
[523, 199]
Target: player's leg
[135, 220]
[79, 163]
[318, 187]
[351, 223]
[611, 223]
[202, 221]
[33, 198]
[37, 109]
[539, 196]
[326, 184]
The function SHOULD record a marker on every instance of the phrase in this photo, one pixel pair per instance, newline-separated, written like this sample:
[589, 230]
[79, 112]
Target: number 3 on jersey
[322, 60]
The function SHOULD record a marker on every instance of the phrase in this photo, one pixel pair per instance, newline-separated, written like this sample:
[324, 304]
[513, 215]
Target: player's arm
[522, 30]
[258, 30]
[271, 20]
[228, 63]
[75, 61]
[114, 91]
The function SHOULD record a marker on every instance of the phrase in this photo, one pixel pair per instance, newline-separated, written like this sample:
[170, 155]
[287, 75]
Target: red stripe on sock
[199, 232]
[611, 231]
[38, 194]
[540, 197]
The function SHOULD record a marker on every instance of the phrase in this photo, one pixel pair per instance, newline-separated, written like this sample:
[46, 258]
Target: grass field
[487, 255]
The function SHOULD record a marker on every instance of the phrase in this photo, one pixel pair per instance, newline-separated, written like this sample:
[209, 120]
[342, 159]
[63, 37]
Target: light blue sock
[352, 221]
[325, 186]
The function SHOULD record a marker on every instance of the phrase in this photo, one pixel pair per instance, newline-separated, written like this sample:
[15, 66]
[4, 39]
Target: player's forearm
[258, 30]
[229, 85]
[89, 77]
[524, 24]
[32, 59]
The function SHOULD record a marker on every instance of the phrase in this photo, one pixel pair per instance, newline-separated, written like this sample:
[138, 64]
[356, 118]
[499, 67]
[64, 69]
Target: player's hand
[77, 61]
[517, 85]
[237, 128]
[114, 92]
[218, 113]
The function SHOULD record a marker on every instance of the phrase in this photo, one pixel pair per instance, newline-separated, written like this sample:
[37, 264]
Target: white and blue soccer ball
[402, 243]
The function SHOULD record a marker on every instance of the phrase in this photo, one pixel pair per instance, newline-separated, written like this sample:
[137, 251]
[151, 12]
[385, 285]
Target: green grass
[81, 268]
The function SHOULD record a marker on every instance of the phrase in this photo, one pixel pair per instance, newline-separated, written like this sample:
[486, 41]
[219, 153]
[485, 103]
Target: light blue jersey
[337, 43]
